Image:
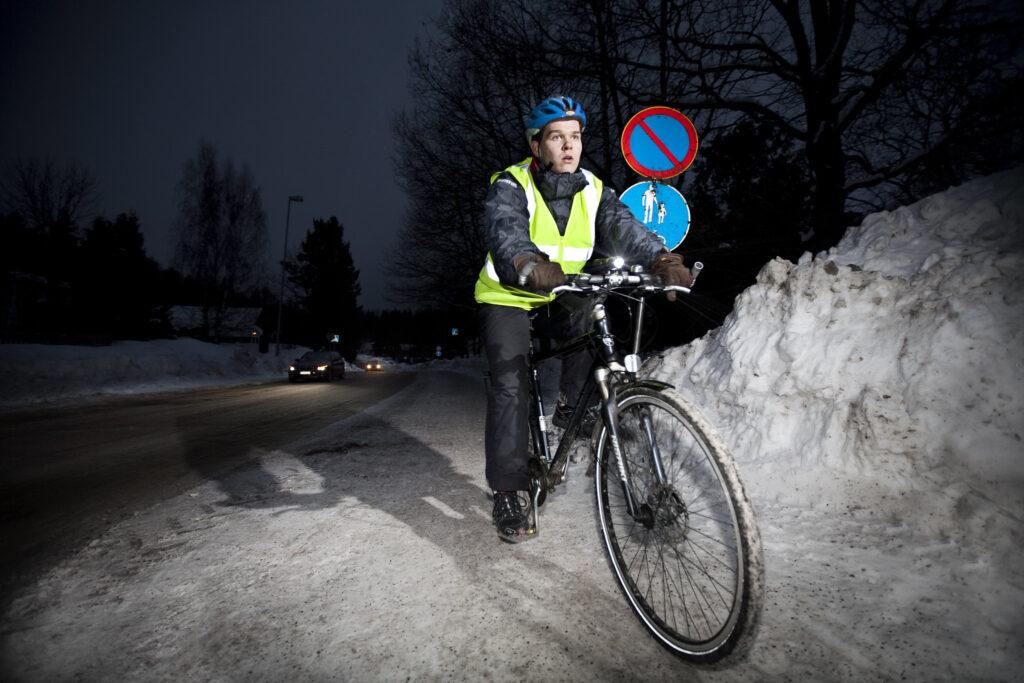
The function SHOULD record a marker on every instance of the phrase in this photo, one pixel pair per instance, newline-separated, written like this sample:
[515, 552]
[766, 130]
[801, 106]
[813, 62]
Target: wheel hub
[663, 508]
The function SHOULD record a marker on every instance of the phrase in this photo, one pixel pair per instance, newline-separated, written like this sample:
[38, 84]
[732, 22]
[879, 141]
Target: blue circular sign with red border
[659, 142]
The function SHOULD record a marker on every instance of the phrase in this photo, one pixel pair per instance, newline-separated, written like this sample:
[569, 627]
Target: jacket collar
[557, 185]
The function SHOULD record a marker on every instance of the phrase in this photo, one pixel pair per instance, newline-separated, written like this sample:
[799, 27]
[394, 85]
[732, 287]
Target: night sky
[304, 92]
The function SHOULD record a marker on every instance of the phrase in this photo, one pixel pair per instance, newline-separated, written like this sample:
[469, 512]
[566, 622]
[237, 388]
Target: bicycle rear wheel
[689, 560]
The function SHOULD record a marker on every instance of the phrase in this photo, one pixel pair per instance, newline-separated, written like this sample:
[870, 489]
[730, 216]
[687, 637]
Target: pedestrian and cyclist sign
[659, 142]
[661, 209]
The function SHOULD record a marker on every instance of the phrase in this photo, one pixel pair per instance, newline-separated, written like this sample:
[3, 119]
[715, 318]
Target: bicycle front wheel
[688, 556]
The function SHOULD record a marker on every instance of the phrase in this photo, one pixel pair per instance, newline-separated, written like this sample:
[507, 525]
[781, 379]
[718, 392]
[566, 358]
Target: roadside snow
[872, 396]
[50, 374]
[46, 374]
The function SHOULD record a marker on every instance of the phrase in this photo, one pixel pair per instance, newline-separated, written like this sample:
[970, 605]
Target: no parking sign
[659, 142]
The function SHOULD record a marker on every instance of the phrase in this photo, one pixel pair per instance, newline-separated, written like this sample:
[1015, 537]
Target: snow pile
[35, 373]
[872, 396]
[474, 366]
[887, 372]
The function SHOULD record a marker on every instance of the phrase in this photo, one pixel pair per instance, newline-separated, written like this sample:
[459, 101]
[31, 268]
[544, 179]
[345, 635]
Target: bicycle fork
[610, 400]
[610, 409]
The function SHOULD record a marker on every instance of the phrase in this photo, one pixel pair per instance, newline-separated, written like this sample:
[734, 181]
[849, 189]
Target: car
[373, 366]
[317, 365]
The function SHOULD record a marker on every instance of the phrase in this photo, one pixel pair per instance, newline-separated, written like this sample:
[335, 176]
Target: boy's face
[560, 145]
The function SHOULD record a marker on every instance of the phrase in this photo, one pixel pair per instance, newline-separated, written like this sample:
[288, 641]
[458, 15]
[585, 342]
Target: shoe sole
[526, 535]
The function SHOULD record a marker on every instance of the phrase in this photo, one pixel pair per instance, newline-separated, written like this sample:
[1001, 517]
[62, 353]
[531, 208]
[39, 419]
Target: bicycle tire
[689, 563]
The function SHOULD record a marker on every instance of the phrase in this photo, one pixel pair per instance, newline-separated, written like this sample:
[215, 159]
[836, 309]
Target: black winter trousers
[506, 335]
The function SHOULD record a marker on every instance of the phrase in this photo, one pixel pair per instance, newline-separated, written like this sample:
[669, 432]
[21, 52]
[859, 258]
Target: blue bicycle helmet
[554, 109]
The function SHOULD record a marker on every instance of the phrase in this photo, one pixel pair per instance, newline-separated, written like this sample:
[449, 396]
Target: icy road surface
[366, 553]
[68, 473]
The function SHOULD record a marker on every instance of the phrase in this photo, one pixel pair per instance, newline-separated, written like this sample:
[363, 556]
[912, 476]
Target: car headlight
[378, 366]
[291, 368]
[369, 366]
[321, 368]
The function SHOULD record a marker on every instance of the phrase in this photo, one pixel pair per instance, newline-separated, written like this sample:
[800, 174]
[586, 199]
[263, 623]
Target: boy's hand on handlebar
[538, 273]
[670, 269]
[546, 276]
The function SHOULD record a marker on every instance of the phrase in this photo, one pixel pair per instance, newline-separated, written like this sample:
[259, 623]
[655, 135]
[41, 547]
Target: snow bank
[37, 373]
[887, 372]
[474, 366]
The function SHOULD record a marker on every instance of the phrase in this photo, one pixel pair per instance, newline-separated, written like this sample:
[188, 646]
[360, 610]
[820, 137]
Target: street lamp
[284, 258]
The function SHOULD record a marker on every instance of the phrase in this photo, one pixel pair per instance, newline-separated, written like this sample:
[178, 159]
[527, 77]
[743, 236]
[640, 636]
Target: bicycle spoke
[704, 492]
[710, 554]
[714, 583]
[694, 510]
[722, 522]
[682, 592]
[713, 540]
[687, 560]
[697, 594]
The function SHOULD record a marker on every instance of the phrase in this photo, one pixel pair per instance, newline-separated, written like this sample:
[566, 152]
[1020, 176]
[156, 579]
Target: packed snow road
[67, 473]
[365, 552]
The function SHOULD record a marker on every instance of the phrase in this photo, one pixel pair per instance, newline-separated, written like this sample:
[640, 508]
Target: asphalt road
[66, 474]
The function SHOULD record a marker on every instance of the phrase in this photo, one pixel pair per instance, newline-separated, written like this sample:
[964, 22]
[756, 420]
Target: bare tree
[222, 231]
[52, 201]
[47, 194]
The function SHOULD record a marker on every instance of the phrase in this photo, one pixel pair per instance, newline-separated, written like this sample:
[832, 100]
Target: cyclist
[543, 218]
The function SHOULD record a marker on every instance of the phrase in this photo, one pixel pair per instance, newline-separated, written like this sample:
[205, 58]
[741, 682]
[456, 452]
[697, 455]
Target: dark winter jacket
[507, 221]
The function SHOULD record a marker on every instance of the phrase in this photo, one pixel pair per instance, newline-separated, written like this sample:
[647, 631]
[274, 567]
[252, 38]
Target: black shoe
[509, 516]
[563, 413]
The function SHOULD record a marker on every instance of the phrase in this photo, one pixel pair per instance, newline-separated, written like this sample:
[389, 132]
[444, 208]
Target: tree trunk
[828, 197]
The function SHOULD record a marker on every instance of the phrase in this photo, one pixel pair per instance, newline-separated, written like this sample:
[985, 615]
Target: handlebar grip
[697, 267]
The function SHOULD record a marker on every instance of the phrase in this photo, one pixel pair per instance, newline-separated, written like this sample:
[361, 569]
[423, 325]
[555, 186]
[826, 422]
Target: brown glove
[539, 273]
[669, 267]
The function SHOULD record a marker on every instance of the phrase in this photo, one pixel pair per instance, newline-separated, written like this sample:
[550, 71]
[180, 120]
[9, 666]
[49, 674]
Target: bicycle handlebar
[586, 282]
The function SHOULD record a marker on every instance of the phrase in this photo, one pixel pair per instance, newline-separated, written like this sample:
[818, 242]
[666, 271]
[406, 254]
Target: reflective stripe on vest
[572, 250]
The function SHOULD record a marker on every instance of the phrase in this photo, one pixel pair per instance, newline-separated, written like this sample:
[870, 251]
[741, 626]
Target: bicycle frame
[607, 375]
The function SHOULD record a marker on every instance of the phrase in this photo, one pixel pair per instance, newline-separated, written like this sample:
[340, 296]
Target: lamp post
[284, 258]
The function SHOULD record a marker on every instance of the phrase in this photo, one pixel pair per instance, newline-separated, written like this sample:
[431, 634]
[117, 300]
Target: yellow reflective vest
[572, 250]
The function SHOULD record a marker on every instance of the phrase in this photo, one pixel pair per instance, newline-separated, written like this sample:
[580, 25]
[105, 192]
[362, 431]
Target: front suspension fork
[610, 411]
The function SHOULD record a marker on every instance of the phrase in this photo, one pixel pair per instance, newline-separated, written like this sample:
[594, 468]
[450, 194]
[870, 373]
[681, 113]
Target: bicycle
[678, 530]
